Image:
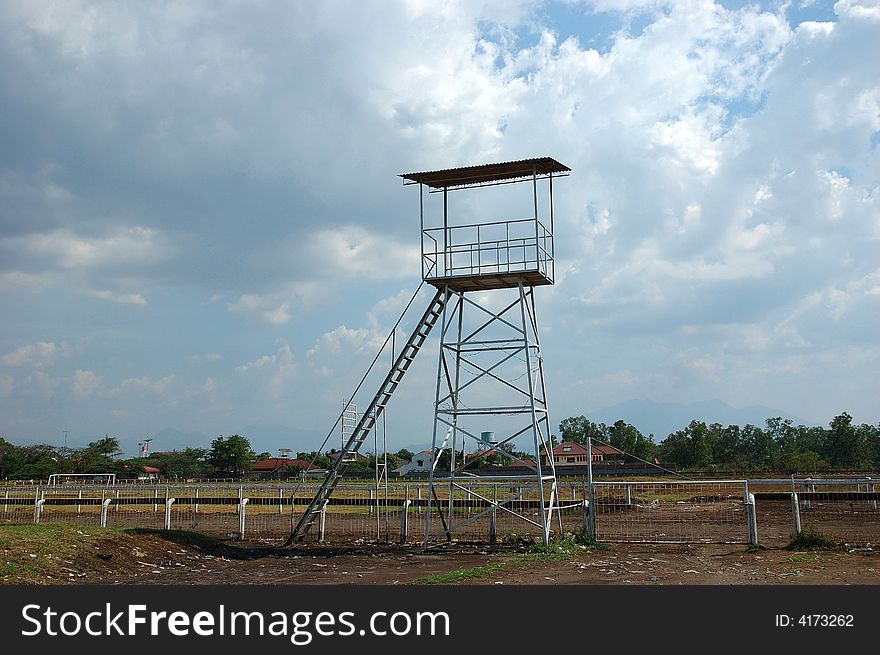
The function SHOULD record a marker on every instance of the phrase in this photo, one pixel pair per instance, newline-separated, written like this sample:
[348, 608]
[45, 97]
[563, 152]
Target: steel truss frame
[466, 349]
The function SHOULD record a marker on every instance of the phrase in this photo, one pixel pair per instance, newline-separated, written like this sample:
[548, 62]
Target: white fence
[714, 511]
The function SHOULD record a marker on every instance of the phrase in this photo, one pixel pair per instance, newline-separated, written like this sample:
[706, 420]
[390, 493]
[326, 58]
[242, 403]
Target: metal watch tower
[490, 368]
[490, 354]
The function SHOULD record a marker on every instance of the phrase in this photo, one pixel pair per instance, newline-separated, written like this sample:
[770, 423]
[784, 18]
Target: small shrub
[588, 541]
[812, 539]
[569, 544]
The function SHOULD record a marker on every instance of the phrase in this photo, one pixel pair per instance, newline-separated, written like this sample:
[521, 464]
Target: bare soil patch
[183, 558]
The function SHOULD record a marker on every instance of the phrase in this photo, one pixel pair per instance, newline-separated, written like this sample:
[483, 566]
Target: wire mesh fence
[674, 512]
[843, 510]
[624, 511]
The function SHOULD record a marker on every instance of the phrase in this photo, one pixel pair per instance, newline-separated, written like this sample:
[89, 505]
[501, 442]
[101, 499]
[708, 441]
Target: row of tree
[778, 446]
[230, 456]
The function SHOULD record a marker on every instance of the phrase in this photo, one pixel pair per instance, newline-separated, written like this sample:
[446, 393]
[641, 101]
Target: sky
[202, 227]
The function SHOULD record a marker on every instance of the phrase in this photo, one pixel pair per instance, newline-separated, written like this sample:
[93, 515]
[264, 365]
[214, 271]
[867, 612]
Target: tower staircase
[374, 410]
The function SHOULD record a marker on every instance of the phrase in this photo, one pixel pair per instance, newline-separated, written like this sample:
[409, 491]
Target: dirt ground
[178, 558]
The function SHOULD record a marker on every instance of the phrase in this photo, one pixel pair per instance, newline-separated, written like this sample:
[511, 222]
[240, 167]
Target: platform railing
[493, 248]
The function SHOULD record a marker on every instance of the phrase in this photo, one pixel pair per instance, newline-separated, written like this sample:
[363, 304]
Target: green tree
[369, 463]
[726, 445]
[627, 438]
[760, 448]
[689, 448]
[445, 460]
[232, 455]
[319, 460]
[181, 464]
[843, 447]
[803, 462]
[8, 459]
[35, 462]
[578, 428]
[108, 446]
[871, 436]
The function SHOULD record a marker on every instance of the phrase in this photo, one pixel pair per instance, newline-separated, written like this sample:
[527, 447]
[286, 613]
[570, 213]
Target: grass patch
[462, 574]
[812, 539]
[31, 553]
[802, 558]
[559, 549]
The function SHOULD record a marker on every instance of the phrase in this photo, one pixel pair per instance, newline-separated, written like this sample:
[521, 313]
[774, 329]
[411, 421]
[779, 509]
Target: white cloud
[123, 298]
[122, 247]
[17, 279]
[346, 341]
[265, 309]
[260, 362]
[204, 358]
[41, 381]
[723, 203]
[357, 253]
[85, 383]
[132, 387]
[40, 353]
[278, 369]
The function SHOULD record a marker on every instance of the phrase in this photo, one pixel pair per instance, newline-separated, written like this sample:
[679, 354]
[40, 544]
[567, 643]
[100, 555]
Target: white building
[421, 463]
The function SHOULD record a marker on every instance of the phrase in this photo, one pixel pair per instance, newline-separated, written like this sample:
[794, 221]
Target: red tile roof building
[272, 464]
[571, 453]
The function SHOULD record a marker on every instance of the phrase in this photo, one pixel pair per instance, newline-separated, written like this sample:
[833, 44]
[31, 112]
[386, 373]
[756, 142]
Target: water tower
[485, 254]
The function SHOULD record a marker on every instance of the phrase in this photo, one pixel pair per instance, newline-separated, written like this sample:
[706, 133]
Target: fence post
[38, 506]
[105, 506]
[155, 499]
[6, 503]
[870, 489]
[404, 521]
[585, 515]
[591, 496]
[197, 501]
[372, 498]
[810, 488]
[168, 503]
[322, 521]
[241, 514]
[419, 504]
[796, 514]
[280, 500]
[628, 493]
[492, 525]
[78, 505]
[751, 517]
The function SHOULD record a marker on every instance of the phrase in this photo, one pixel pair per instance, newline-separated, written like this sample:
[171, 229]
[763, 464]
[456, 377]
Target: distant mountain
[661, 419]
[173, 439]
[269, 437]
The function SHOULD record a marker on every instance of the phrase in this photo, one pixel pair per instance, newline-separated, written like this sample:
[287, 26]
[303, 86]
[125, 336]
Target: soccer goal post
[82, 478]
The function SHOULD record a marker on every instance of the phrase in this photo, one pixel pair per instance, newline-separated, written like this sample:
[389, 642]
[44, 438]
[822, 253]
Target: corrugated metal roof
[472, 175]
